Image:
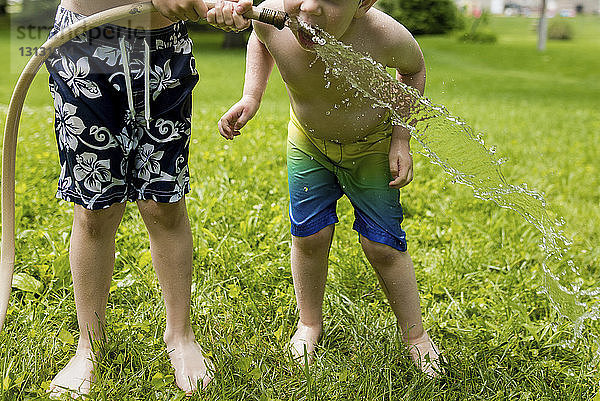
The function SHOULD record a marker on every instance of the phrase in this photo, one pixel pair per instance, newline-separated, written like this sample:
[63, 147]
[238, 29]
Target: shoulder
[264, 30]
[397, 45]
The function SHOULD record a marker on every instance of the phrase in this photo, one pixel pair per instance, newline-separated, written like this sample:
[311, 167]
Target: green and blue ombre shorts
[321, 171]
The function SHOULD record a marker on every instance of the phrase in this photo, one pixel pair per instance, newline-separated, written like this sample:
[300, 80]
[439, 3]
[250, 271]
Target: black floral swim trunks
[122, 100]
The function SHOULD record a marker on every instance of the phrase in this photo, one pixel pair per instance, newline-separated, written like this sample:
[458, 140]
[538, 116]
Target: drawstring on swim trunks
[128, 84]
[147, 83]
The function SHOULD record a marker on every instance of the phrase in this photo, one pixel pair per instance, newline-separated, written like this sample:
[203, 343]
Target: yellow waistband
[383, 129]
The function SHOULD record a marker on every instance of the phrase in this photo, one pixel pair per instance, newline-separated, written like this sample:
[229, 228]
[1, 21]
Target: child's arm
[226, 16]
[401, 163]
[181, 10]
[259, 64]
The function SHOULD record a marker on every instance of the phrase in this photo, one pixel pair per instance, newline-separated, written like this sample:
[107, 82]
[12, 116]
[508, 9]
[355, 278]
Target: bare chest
[327, 106]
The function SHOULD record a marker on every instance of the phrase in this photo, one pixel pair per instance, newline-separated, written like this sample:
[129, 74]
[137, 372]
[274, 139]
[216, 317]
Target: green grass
[478, 266]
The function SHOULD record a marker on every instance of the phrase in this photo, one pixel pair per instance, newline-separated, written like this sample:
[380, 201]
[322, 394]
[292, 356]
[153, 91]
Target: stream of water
[460, 151]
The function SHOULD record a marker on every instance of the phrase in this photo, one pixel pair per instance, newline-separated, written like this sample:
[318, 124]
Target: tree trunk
[234, 40]
[542, 28]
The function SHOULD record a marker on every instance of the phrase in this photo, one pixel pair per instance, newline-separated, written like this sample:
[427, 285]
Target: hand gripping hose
[11, 128]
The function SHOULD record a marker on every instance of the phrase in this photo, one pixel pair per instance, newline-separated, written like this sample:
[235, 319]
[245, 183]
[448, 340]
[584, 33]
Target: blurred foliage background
[420, 17]
[424, 16]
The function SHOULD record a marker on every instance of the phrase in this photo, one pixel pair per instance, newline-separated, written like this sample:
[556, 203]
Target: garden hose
[11, 128]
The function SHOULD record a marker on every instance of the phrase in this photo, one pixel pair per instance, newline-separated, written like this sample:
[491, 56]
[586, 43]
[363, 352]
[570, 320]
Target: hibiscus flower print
[74, 75]
[112, 56]
[147, 161]
[128, 140]
[182, 180]
[68, 125]
[183, 46]
[91, 171]
[162, 79]
[109, 54]
[64, 181]
[65, 18]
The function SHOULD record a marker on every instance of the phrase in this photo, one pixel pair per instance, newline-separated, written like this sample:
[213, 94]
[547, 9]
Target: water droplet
[441, 134]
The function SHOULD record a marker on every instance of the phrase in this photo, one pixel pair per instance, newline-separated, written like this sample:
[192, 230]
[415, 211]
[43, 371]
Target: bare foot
[426, 355]
[304, 341]
[76, 378]
[190, 365]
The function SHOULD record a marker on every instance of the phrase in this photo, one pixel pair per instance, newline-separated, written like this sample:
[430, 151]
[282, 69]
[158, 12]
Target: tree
[542, 28]
[37, 12]
[423, 16]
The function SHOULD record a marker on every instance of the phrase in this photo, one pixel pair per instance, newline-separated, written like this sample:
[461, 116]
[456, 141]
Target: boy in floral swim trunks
[122, 96]
[352, 150]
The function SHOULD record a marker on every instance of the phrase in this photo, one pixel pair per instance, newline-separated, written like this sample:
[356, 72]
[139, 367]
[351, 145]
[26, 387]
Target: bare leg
[396, 275]
[309, 272]
[92, 257]
[172, 252]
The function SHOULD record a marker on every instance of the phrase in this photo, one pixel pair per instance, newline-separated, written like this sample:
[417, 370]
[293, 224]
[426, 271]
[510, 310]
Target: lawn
[478, 266]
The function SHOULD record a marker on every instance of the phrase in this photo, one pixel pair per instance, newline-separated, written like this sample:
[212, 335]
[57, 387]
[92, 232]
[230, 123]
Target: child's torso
[326, 106]
[89, 7]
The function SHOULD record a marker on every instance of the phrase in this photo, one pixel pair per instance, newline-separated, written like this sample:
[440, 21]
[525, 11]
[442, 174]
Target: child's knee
[379, 255]
[167, 216]
[315, 243]
[98, 223]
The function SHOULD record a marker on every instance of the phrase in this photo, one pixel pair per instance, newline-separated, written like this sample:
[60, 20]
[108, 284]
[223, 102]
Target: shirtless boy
[352, 150]
[122, 95]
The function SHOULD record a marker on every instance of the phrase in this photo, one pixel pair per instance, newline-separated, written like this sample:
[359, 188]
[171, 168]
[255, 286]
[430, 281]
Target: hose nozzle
[266, 15]
[273, 17]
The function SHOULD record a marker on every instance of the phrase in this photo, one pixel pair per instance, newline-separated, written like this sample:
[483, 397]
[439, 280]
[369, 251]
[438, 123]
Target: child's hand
[237, 116]
[401, 162]
[181, 10]
[228, 16]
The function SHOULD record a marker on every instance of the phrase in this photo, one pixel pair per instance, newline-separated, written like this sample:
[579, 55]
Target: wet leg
[309, 272]
[172, 252]
[396, 275]
[92, 257]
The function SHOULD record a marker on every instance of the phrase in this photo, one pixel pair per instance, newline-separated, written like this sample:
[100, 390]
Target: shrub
[560, 29]
[478, 32]
[37, 13]
[423, 16]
